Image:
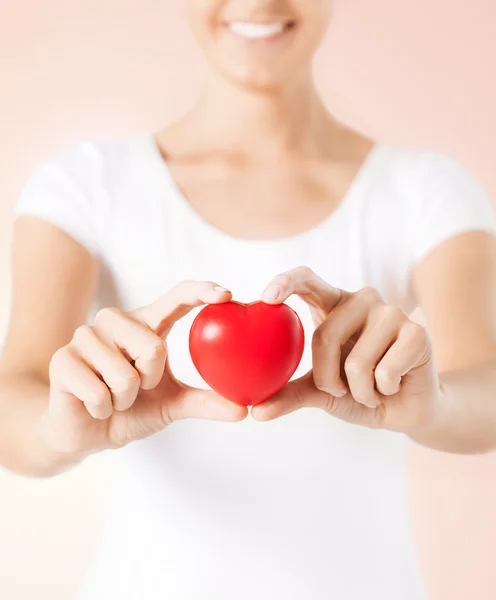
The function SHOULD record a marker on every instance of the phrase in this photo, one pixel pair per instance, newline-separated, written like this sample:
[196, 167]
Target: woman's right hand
[112, 383]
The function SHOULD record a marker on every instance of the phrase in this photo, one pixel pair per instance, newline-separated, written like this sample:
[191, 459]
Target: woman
[229, 202]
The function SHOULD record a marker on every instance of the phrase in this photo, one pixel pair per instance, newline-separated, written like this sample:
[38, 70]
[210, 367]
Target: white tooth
[256, 30]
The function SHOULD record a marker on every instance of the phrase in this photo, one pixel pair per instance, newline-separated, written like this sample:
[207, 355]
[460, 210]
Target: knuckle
[385, 374]
[394, 313]
[106, 315]
[188, 286]
[82, 335]
[155, 350]
[133, 378]
[127, 382]
[98, 395]
[388, 314]
[417, 332]
[305, 272]
[355, 366]
[282, 280]
[369, 295]
[200, 286]
[188, 291]
[60, 359]
[323, 335]
[58, 356]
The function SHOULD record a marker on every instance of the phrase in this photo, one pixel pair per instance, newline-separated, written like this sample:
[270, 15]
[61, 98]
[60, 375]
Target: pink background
[418, 73]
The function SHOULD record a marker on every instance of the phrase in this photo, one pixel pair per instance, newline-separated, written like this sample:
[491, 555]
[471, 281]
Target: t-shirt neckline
[168, 185]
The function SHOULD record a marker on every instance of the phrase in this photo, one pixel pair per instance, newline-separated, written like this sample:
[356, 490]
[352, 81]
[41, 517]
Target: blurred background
[412, 73]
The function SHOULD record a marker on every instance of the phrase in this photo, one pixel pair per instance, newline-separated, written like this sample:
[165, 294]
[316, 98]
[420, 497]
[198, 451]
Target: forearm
[465, 422]
[23, 400]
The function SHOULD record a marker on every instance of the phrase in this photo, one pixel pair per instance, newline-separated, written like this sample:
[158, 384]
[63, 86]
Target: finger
[194, 403]
[380, 332]
[410, 350]
[329, 339]
[184, 297]
[136, 340]
[299, 393]
[121, 378]
[75, 378]
[303, 282]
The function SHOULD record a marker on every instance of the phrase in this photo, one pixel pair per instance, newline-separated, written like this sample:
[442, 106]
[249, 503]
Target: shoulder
[439, 196]
[89, 172]
[87, 162]
[428, 173]
[427, 184]
[78, 187]
[417, 163]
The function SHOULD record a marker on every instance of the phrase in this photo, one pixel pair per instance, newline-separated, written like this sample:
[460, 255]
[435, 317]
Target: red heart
[246, 352]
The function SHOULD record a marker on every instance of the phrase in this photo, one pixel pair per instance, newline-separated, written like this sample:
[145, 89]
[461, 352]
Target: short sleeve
[63, 191]
[449, 201]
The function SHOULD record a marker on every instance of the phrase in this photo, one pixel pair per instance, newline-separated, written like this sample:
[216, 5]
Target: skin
[68, 390]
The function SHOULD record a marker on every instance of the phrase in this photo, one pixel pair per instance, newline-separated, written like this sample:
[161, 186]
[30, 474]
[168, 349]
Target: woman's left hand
[372, 365]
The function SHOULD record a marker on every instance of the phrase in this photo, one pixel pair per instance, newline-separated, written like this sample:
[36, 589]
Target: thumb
[302, 393]
[306, 284]
[161, 315]
[193, 403]
[299, 393]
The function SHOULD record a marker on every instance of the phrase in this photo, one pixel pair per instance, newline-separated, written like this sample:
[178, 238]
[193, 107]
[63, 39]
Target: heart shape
[246, 352]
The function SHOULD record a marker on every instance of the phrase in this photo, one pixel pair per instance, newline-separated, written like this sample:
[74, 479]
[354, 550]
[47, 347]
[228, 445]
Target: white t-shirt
[302, 508]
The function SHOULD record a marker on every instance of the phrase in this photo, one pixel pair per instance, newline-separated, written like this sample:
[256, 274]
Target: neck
[261, 123]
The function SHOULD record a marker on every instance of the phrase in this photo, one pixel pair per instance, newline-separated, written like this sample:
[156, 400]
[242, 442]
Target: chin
[255, 81]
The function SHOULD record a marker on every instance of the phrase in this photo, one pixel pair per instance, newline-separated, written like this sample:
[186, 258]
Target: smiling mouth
[251, 30]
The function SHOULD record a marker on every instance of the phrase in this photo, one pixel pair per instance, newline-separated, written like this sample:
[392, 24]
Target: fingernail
[340, 393]
[372, 405]
[271, 292]
[220, 289]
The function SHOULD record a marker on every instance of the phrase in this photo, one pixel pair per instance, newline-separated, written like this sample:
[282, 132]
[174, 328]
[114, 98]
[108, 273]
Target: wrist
[432, 432]
[54, 458]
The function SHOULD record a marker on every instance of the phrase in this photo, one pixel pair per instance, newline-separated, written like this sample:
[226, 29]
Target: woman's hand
[371, 365]
[112, 383]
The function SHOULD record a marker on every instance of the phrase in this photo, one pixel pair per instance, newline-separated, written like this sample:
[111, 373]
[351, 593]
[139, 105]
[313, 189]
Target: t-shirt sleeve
[62, 192]
[449, 201]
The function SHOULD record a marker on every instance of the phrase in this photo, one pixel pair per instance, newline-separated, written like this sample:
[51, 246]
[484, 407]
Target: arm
[456, 288]
[375, 367]
[54, 280]
[66, 390]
